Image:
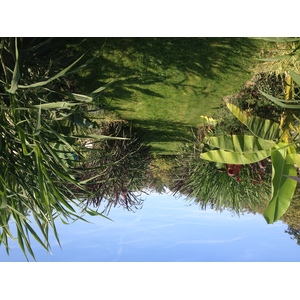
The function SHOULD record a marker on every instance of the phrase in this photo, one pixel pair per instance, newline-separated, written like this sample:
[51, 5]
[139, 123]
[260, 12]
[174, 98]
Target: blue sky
[168, 229]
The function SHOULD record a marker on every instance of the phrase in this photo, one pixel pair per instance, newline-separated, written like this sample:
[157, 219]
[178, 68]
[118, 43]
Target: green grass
[163, 85]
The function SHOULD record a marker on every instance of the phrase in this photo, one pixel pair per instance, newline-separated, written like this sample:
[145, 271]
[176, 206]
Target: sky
[167, 229]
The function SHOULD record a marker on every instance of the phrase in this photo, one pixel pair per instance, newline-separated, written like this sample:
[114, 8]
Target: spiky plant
[119, 169]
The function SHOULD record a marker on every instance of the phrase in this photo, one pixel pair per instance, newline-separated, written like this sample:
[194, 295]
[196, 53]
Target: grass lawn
[163, 85]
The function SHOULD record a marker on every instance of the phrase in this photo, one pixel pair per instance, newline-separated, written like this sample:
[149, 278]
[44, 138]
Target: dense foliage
[276, 140]
[211, 184]
[119, 169]
[60, 159]
[42, 119]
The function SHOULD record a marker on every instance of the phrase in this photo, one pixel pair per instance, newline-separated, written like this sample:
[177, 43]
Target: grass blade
[45, 82]
[16, 73]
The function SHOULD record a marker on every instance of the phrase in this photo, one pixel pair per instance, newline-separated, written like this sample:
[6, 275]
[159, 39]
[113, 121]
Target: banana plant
[268, 140]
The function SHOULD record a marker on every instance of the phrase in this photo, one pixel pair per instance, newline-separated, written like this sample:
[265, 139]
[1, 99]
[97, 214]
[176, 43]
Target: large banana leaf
[236, 158]
[263, 128]
[283, 187]
[237, 112]
[240, 143]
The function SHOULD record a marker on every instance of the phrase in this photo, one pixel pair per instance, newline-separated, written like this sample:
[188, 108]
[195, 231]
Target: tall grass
[41, 123]
[119, 169]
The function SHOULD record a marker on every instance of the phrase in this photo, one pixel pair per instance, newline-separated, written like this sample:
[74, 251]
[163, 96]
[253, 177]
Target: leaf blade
[45, 82]
[240, 143]
[283, 187]
[226, 157]
[16, 73]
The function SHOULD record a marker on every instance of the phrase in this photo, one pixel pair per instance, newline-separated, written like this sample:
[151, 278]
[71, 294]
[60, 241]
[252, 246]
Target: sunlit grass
[163, 85]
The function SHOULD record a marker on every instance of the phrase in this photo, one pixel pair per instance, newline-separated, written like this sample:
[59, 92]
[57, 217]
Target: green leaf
[240, 143]
[45, 82]
[16, 73]
[280, 102]
[22, 139]
[21, 243]
[96, 213]
[98, 137]
[56, 105]
[37, 238]
[102, 88]
[283, 187]
[89, 179]
[38, 123]
[3, 201]
[78, 97]
[296, 158]
[276, 58]
[236, 158]
[264, 128]
[237, 112]
[295, 76]
[43, 229]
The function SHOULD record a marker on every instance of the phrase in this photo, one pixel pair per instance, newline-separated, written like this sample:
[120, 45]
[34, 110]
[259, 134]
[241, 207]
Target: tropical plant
[41, 123]
[208, 184]
[269, 139]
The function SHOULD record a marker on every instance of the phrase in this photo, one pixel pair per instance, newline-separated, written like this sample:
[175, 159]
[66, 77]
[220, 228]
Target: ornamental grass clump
[119, 168]
[41, 122]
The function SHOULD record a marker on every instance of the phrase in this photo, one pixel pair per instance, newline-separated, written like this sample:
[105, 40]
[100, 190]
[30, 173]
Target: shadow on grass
[161, 131]
[149, 66]
[144, 61]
